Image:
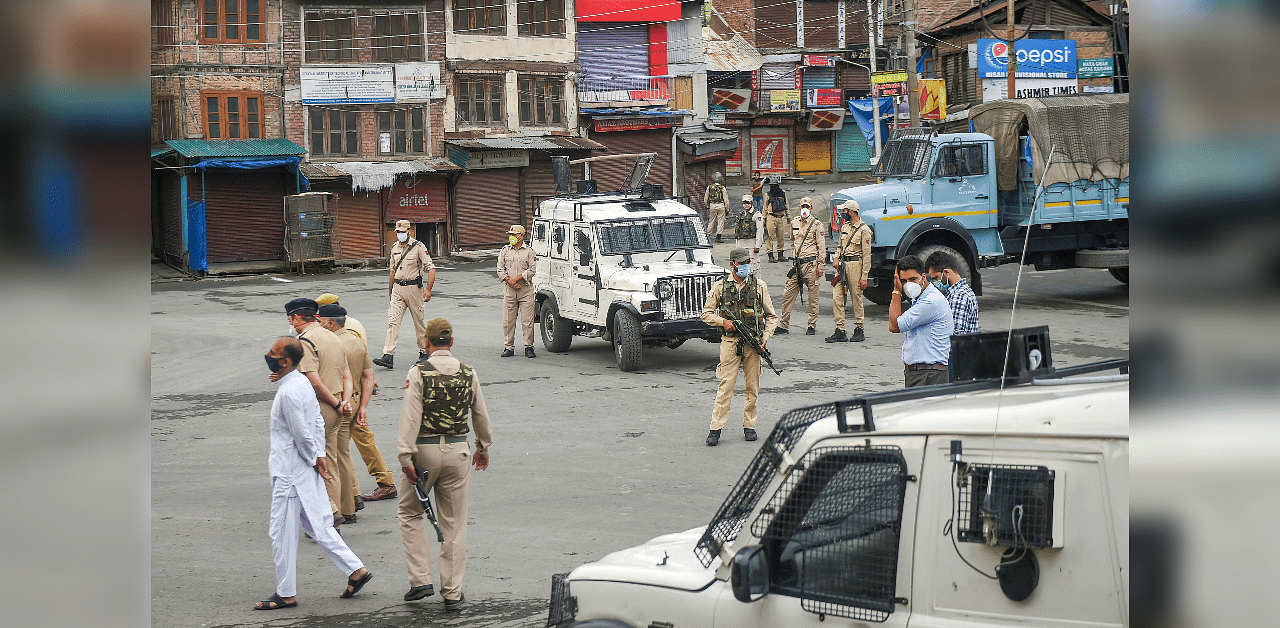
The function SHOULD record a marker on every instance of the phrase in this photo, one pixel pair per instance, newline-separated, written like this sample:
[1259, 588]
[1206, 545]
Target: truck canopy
[1089, 135]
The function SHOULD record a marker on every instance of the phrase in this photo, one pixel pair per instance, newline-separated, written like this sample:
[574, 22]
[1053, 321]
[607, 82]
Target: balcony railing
[596, 88]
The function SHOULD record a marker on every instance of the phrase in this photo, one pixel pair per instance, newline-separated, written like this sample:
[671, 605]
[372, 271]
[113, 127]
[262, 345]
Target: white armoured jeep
[631, 267]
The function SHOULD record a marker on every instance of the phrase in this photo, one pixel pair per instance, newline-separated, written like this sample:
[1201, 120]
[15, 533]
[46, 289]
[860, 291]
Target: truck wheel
[879, 295]
[627, 346]
[1121, 274]
[557, 332]
[1102, 258]
[963, 264]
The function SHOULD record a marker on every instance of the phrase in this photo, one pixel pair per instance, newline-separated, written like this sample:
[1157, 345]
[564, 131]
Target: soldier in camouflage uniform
[439, 395]
[743, 296]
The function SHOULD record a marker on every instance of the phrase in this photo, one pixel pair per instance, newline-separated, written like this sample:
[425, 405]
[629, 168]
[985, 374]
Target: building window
[480, 100]
[335, 132]
[397, 37]
[329, 36]
[162, 22]
[232, 115]
[402, 131]
[540, 100]
[231, 21]
[480, 17]
[166, 119]
[540, 17]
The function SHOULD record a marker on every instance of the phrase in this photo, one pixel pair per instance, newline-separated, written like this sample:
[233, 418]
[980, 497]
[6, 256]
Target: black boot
[748, 433]
[858, 336]
[713, 438]
[718, 239]
[387, 360]
[780, 330]
[810, 331]
[770, 256]
[839, 336]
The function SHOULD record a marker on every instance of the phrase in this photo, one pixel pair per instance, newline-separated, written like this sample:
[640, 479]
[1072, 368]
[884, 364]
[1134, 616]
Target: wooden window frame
[542, 100]
[220, 26]
[244, 117]
[162, 22]
[480, 17]
[494, 84]
[348, 135]
[166, 119]
[392, 39]
[324, 35]
[540, 18]
[410, 133]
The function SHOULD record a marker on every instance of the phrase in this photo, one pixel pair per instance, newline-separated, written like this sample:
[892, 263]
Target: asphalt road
[586, 459]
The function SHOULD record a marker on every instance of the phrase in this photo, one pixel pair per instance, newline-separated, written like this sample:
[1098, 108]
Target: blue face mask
[273, 364]
[942, 287]
[846, 217]
[744, 270]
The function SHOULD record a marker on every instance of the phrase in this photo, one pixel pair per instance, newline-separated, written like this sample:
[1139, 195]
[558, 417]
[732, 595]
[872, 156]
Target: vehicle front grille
[688, 294]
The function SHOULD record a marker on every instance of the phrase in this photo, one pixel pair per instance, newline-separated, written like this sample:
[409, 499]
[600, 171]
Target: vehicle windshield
[648, 235]
[905, 158]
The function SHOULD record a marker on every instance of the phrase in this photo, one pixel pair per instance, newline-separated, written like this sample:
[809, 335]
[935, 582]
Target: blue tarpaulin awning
[291, 163]
[861, 110]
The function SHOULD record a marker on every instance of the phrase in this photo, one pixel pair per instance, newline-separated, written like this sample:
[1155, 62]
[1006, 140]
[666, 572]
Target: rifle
[747, 335]
[426, 501]
[837, 277]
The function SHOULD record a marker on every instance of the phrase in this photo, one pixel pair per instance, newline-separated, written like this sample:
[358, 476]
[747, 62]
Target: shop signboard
[418, 82]
[1037, 58]
[933, 99]
[487, 159]
[815, 98]
[637, 124]
[1095, 68]
[784, 100]
[364, 84]
[819, 61]
[826, 120]
[730, 99]
[996, 89]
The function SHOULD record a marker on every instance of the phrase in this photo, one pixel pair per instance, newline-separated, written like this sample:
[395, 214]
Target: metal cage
[1020, 505]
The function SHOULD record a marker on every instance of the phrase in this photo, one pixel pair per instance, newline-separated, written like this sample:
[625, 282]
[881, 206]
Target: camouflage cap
[739, 255]
[439, 332]
[326, 298]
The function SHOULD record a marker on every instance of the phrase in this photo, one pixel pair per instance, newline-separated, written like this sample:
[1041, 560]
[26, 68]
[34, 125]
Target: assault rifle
[425, 498]
[748, 335]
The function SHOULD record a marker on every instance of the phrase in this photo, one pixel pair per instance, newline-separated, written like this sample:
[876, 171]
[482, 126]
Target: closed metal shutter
[697, 178]
[778, 76]
[734, 164]
[540, 182]
[855, 78]
[852, 153]
[813, 152]
[770, 149]
[358, 226]
[244, 215]
[488, 203]
[821, 28]
[614, 56]
[610, 175]
[815, 77]
[776, 24]
[171, 209]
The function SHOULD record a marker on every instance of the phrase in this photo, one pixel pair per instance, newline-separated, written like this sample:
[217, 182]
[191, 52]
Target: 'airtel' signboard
[1037, 58]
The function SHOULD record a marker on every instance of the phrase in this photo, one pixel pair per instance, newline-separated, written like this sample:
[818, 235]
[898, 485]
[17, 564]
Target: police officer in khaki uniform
[516, 265]
[808, 246]
[409, 263]
[324, 363]
[716, 199]
[333, 318]
[853, 253]
[746, 297]
[433, 437]
[361, 435]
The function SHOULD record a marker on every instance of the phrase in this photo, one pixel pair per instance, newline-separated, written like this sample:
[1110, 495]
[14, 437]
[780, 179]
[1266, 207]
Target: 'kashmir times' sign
[1037, 58]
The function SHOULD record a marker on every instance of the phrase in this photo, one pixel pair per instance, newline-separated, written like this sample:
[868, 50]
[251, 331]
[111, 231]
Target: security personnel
[324, 363]
[776, 223]
[750, 231]
[409, 262]
[361, 435]
[516, 266]
[716, 199]
[433, 437]
[808, 246]
[334, 318]
[853, 253]
[744, 296]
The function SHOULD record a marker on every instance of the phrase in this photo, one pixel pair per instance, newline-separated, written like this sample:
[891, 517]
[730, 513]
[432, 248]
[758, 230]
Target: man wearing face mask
[964, 305]
[927, 325]
[745, 297]
[516, 266]
[808, 246]
[333, 317]
[750, 231]
[409, 263]
[853, 253]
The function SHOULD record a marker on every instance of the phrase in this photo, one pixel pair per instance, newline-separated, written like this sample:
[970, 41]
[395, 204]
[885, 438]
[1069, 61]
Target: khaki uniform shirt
[417, 265]
[521, 261]
[327, 359]
[355, 327]
[711, 309]
[855, 239]
[411, 411]
[357, 353]
[807, 239]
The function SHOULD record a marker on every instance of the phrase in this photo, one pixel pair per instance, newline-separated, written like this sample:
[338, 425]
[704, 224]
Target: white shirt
[297, 429]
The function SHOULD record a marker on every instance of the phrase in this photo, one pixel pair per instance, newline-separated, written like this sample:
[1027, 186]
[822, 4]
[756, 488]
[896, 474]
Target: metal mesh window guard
[1021, 505]
[832, 531]
[909, 157]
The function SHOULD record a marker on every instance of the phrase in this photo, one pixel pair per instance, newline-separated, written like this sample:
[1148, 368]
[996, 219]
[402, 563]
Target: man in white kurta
[297, 466]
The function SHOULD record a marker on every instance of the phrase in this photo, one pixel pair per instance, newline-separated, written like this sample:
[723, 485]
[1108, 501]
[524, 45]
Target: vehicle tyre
[1103, 258]
[928, 250]
[1121, 274]
[879, 295]
[557, 332]
[627, 346]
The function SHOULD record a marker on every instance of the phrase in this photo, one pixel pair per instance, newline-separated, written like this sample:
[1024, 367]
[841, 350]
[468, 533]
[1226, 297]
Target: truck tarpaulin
[1089, 135]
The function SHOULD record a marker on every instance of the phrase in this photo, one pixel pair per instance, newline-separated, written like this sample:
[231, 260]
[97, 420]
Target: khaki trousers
[367, 445]
[448, 466]
[717, 219]
[337, 448]
[792, 290]
[852, 275]
[727, 371]
[775, 230]
[513, 298]
[402, 297]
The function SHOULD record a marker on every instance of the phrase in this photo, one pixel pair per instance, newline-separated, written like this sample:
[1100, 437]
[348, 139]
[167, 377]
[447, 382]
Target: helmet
[717, 177]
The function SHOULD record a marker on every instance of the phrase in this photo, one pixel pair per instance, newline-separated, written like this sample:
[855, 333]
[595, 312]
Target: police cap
[301, 307]
[332, 310]
[326, 298]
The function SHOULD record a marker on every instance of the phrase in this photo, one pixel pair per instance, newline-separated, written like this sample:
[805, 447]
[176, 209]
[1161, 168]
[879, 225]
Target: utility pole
[913, 90]
[1013, 58]
[875, 93]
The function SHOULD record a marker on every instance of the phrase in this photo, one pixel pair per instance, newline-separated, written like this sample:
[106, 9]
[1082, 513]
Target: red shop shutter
[244, 214]
[488, 203]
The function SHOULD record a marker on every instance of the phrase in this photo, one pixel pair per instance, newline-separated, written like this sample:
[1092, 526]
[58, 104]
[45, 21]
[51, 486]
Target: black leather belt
[806, 260]
[852, 258]
[434, 439]
[777, 214]
[930, 366]
[410, 282]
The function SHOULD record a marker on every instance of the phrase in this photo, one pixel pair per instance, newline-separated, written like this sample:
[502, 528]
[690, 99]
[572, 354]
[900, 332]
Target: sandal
[272, 603]
[354, 586]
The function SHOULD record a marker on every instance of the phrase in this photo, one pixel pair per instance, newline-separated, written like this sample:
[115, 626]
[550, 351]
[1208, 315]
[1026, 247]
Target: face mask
[912, 290]
[514, 240]
[846, 217]
[744, 270]
[293, 331]
[805, 213]
[273, 364]
[942, 287]
[402, 236]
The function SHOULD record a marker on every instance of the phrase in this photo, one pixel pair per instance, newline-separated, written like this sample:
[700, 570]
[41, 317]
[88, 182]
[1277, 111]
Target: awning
[545, 143]
[372, 176]
[289, 163]
[699, 141]
[236, 148]
[732, 55]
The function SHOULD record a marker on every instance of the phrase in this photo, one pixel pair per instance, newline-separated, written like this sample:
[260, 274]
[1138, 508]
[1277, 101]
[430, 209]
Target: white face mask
[912, 290]
[805, 213]
[402, 236]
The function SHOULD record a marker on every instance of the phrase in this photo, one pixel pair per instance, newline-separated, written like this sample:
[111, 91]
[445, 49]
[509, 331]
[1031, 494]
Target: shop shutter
[488, 203]
[821, 28]
[778, 76]
[733, 165]
[610, 175]
[244, 215]
[855, 78]
[770, 149]
[813, 152]
[613, 56]
[776, 24]
[815, 77]
[171, 209]
[540, 182]
[359, 226]
[697, 178]
[852, 153]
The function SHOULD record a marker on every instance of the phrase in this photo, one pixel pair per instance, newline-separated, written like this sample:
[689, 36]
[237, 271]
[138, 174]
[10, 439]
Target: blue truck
[985, 196]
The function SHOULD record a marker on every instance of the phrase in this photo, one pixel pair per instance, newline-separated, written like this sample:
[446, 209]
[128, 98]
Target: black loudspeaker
[982, 355]
[560, 171]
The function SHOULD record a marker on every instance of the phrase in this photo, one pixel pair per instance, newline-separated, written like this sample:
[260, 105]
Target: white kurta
[297, 490]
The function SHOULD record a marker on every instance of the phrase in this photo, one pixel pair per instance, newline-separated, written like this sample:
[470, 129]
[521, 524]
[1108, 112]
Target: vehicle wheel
[1121, 274]
[557, 332]
[627, 346]
[1102, 258]
[926, 251]
[879, 295]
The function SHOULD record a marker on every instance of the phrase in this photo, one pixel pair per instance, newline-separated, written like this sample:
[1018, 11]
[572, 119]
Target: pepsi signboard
[1037, 58]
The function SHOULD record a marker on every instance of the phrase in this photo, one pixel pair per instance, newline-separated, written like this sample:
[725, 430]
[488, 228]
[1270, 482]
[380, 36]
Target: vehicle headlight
[665, 290]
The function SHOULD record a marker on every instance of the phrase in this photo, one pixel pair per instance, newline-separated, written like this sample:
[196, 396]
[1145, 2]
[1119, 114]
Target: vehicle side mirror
[750, 575]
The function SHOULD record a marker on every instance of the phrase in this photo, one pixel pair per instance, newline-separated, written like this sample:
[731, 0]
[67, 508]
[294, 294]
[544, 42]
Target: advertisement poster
[1037, 58]
[418, 82]
[826, 120]
[933, 99]
[816, 98]
[769, 152]
[730, 99]
[784, 100]
[347, 85]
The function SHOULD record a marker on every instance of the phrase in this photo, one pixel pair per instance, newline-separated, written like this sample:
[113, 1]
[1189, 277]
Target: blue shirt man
[928, 325]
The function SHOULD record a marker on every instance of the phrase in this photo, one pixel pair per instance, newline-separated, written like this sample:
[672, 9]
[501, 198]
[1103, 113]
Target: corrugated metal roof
[156, 152]
[236, 148]
[732, 55]
[374, 175]
[546, 142]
